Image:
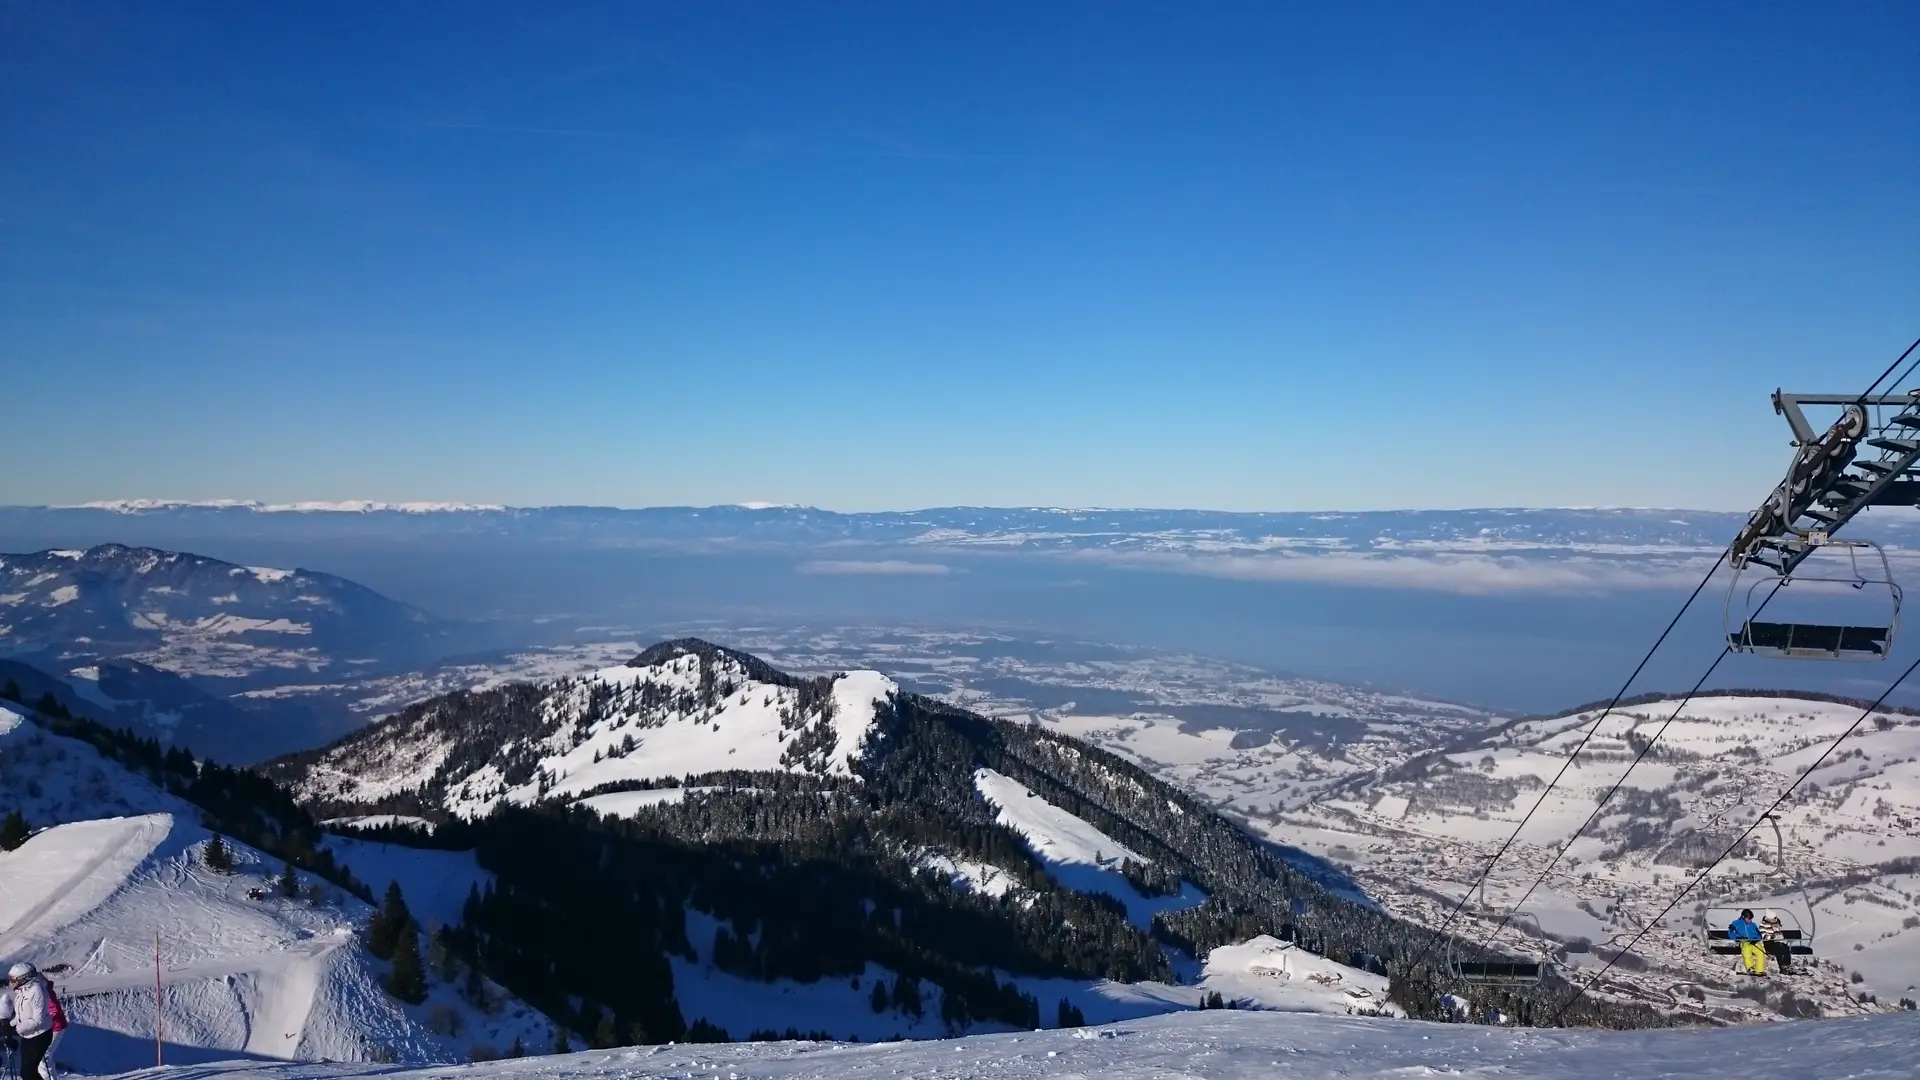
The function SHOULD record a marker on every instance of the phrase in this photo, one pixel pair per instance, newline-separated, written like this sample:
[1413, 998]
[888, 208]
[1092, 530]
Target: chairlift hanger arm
[1788, 405]
[1828, 485]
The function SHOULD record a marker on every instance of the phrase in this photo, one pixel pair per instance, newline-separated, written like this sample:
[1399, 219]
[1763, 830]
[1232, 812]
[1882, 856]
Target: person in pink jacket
[30, 1006]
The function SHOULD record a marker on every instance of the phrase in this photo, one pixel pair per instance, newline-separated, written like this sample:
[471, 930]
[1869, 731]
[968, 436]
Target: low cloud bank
[877, 566]
[1471, 574]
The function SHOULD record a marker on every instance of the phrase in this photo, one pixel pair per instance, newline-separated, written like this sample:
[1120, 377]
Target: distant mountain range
[1621, 530]
[1604, 531]
[198, 615]
[159, 641]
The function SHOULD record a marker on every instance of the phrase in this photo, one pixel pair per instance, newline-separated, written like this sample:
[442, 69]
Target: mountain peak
[681, 709]
[712, 655]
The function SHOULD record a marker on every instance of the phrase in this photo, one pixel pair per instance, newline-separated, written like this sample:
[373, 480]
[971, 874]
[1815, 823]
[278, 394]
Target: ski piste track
[284, 980]
[125, 843]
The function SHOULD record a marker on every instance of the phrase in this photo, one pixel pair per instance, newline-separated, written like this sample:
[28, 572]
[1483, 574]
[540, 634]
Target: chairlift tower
[1827, 485]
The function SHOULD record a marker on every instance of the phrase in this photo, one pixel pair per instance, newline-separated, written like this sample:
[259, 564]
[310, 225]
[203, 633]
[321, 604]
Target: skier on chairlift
[1752, 952]
[1773, 938]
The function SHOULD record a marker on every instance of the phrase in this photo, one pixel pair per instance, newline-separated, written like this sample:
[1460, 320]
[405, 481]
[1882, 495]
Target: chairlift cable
[1868, 392]
[1604, 799]
[1441, 931]
[1582, 989]
[1487, 871]
[1617, 784]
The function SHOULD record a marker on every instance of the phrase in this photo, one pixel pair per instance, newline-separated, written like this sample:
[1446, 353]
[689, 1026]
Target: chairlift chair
[1790, 615]
[1799, 940]
[1715, 920]
[1505, 974]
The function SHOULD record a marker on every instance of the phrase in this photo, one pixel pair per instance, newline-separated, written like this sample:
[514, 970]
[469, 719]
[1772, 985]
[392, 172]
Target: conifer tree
[217, 856]
[408, 982]
[906, 995]
[1070, 1015]
[475, 989]
[387, 925]
[13, 831]
[560, 1043]
[518, 1049]
[441, 959]
[879, 995]
[289, 882]
[11, 691]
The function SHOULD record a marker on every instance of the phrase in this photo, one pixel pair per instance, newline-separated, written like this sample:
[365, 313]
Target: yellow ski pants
[1755, 955]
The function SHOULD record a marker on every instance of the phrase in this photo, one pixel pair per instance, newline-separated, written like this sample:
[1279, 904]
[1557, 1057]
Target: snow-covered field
[1232, 1046]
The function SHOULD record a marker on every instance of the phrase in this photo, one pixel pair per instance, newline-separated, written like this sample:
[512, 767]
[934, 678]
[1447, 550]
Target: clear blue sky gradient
[863, 256]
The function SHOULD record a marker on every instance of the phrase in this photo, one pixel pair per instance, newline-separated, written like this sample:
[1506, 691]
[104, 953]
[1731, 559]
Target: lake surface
[1516, 653]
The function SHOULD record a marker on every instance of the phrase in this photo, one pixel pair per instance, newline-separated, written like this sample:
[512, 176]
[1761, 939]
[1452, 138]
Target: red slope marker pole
[157, 1002]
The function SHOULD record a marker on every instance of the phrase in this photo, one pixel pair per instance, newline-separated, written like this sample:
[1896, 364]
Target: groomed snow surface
[1233, 1046]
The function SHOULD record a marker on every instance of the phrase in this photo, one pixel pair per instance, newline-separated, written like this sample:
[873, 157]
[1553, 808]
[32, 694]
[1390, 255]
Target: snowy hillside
[806, 850]
[682, 709]
[122, 871]
[1851, 839]
[198, 616]
[1237, 1046]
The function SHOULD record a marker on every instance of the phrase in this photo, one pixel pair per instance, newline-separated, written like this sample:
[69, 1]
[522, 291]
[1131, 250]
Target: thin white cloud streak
[1464, 574]
[880, 566]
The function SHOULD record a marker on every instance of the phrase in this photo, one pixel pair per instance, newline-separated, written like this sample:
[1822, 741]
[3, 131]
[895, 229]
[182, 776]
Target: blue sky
[886, 255]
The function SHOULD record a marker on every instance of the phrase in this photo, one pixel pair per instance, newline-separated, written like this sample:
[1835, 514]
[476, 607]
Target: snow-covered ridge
[677, 711]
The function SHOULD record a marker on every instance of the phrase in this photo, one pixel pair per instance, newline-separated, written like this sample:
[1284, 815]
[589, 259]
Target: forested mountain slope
[697, 807]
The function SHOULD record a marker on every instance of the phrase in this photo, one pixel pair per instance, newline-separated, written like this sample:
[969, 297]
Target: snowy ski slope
[277, 977]
[1231, 1046]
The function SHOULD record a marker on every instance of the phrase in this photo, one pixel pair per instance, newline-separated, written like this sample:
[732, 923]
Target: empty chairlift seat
[1497, 972]
[1839, 603]
[1812, 640]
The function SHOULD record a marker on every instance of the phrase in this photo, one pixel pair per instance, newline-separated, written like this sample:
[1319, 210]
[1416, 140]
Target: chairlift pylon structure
[1828, 484]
